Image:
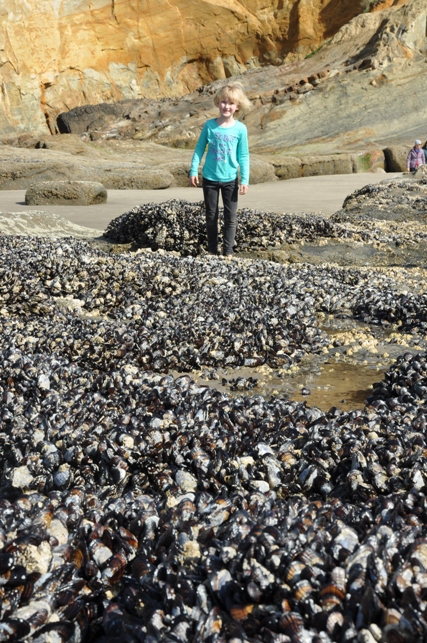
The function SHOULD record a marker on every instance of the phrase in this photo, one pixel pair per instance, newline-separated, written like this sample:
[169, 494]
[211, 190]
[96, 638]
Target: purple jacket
[415, 158]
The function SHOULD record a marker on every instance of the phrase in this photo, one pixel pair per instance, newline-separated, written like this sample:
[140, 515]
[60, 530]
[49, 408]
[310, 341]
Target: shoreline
[324, 194]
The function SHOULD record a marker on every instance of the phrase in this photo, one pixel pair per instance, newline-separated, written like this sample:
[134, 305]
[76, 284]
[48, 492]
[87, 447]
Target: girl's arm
[243, 160]
[198, 155]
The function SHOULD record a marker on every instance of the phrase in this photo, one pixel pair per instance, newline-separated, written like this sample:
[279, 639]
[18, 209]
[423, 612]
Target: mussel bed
[137, 506]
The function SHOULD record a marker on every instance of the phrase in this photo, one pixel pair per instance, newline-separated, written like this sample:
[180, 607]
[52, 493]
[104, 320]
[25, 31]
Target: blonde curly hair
[233, 91]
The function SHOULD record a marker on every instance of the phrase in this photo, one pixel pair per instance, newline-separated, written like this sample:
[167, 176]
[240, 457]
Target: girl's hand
[243, 189]
[194, 181]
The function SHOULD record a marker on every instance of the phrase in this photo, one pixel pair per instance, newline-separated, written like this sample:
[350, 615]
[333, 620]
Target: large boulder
[329, 164]
[91, 117]
[287, 167]
[179, 171]
[377, 160]
[66, 193]
[395, 158]
[121, 177]
[261, 171]
[369, 161]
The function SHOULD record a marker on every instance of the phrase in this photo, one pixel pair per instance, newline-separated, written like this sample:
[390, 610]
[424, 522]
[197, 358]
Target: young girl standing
[227, 142]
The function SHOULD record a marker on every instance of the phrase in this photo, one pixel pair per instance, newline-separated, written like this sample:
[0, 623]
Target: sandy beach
[312, 194]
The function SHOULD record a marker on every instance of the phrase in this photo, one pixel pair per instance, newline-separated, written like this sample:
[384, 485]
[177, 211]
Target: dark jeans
[229, 192]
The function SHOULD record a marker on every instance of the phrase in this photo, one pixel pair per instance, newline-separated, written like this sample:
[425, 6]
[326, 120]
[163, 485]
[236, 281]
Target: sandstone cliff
[364, 89]
[58, 54]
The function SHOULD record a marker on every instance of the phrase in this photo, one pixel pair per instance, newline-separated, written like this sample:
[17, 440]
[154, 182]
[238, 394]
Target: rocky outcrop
[66, 193]
[58, 55]
[399, 200]
[20, 168]
[129, 164]
[363, 90]
[396, 156]
[367, 89]
[332, 164]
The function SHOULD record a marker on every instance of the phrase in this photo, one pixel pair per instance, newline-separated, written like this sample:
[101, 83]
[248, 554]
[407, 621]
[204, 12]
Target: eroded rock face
[58, 55]
[363, 90]
[20, 168]
[141, 165]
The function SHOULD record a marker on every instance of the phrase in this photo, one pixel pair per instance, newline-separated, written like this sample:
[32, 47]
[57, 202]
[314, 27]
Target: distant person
[415, 157]
[227, 151]
[424, 148]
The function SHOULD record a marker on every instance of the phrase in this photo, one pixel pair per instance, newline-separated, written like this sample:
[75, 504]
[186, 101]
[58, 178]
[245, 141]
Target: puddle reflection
[339, 384]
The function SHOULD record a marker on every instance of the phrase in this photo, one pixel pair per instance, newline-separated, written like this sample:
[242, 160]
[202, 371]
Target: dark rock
[395, 158]
[90, 117]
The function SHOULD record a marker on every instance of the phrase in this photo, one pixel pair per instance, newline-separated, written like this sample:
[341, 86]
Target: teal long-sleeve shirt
[227, 151]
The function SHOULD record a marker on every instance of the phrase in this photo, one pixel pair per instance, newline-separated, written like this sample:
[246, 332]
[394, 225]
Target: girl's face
[228, 107]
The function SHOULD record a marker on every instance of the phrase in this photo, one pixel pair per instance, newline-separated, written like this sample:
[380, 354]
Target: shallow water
[361, 255]
[345, 386]
[342, 377]
[344, 254]
[333, 383]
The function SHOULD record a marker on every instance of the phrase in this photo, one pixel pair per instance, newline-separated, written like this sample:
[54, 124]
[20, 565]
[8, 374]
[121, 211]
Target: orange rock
[57, 55]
